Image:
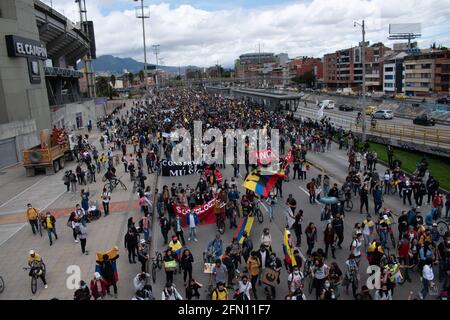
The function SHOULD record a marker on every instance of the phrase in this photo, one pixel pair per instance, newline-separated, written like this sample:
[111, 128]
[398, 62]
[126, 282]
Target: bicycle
[113, 183]
[156, 264]
[348, 204]
[2, 284]
[257, 211]
[443, 226]
[35, 275]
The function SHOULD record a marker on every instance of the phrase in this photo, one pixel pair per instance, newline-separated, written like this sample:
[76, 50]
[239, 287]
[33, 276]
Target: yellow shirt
[32, 214]
[36, 258]
[48, 221]
[218, 295]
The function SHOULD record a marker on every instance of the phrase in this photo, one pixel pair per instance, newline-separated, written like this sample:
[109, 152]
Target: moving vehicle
[327, 104]
[370, 110]
[50, 155]
[424, 120]
[346, 107]
[383, 114]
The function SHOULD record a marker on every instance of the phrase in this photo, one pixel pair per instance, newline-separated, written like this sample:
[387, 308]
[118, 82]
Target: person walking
[82, 293]
[329, 238]
[98, 287]
[192, 221]
[178, 229]
[50, 224]
[311, 237]
[142, 253]
[33, 218]
[107, 272]
[81, 231]
[338, 226]
[145, 225]
[165, 227]
[187, 259]
[297, 226]
[131, 244]
[364, 198]
[377, 198]
[254, 267]
[427, 278]
[73, 181]
[106, 198]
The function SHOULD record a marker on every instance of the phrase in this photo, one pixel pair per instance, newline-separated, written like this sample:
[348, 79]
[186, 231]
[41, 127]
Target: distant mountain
[115, 65]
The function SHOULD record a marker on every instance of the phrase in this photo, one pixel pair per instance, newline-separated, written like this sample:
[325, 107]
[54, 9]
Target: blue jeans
[383, 238]
[146, 235]
[49, 232]
[193, 233]
[426, 287]
[271, 212]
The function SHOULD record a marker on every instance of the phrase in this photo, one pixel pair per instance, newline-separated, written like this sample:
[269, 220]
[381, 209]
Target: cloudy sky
[204, 32]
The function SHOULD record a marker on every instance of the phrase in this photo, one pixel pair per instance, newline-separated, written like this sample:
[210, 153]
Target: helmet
[142, 241]
[32, 252]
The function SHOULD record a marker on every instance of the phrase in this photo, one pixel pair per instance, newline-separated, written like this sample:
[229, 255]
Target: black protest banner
[174, 169]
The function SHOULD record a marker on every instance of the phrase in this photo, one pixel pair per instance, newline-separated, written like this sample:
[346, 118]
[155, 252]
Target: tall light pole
[156, 51]
[363, 61]
[141, 15]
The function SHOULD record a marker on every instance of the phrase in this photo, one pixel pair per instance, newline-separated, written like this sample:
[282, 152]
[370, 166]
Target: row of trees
[308, 79]
[105, 85]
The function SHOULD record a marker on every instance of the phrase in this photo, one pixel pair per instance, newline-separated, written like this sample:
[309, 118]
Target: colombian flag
[176, 247]
[288, 252]
[261, 185]
[113, 254]
[245, 225]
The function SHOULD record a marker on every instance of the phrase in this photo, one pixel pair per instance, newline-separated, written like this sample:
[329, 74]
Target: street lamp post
[143, 16]
[363, 61]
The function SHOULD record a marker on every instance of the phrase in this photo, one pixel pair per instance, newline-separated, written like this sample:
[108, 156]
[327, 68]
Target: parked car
[424, 120]
[339, 91]
[370, 110]
[328, 104]
[346, 107]
[400, 96]
[383, 114]
[444, 100]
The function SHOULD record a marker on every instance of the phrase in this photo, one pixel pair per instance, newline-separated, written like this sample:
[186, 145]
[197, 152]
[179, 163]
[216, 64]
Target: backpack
[77, 230]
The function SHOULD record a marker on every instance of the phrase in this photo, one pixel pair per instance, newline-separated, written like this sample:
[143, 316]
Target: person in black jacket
[187, 259]
[297, 226]
[263, 256]
[432, 187]
[82, 293]
[364, 198]
[402, 225]
[165, 227]
[192, 289]
[131, 243]
[338, 226]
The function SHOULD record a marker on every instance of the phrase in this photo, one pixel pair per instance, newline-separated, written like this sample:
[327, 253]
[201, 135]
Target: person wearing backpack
[131, 244]
[247, 246]
[66, 180]
[81, 232]
[170, 293]
[220, 292]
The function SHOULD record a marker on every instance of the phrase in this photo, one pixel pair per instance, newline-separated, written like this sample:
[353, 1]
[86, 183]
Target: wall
[25, 133]
[19, 99]
[67, 114]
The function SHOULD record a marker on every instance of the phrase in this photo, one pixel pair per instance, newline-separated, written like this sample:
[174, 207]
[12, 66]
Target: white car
[383, 114]
[328, 104]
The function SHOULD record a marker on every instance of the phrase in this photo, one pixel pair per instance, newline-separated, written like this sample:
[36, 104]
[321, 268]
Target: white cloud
[189, 35]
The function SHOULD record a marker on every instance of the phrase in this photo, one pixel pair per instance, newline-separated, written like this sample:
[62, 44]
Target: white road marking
[303, 190]
[21, 193]
[264, 206]
[12, 235]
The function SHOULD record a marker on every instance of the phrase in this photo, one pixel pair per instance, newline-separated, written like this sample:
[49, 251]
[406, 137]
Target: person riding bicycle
[110, 174]
[214, 249]
[246, 206]
[35, 263]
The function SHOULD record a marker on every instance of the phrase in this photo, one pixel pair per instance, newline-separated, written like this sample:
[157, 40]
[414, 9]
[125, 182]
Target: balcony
[62, 72]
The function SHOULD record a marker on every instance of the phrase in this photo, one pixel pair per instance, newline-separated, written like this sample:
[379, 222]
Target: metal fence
[406, 133]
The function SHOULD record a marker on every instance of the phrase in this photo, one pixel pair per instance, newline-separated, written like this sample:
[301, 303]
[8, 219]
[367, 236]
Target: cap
[435, 224]
[385, 216]
[97, 275]
[31, 252]
[142, 241]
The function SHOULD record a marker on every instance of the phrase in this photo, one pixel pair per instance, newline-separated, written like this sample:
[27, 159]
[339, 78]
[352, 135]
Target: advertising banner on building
[176, 169]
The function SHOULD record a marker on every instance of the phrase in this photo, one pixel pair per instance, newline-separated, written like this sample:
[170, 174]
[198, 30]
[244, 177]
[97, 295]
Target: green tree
[178, 77]
[130, 77]
[308, 79]
[103, 87]
[141, 75]
[113, 80]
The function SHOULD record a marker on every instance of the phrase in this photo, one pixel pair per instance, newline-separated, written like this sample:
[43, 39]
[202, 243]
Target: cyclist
[36, 267]
[214, 249]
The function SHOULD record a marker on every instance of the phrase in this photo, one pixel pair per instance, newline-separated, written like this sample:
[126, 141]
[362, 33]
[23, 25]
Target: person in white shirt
[356, 247]
[427, 278]
[106, 197]
[266, 239]
[383, 294]
[295, 280]
[245, 286]
[141, 280]
[170, 293]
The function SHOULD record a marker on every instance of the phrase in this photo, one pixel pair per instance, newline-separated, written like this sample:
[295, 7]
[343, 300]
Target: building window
[410, 67]
[388, 85]
[388, 77]
[388, 69]
[426, 66]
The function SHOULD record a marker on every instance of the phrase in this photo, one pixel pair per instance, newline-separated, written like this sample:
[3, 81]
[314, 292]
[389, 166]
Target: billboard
[404, 28]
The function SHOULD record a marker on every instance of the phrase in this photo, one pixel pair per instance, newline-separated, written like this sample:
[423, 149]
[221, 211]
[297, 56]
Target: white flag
[320, 112]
